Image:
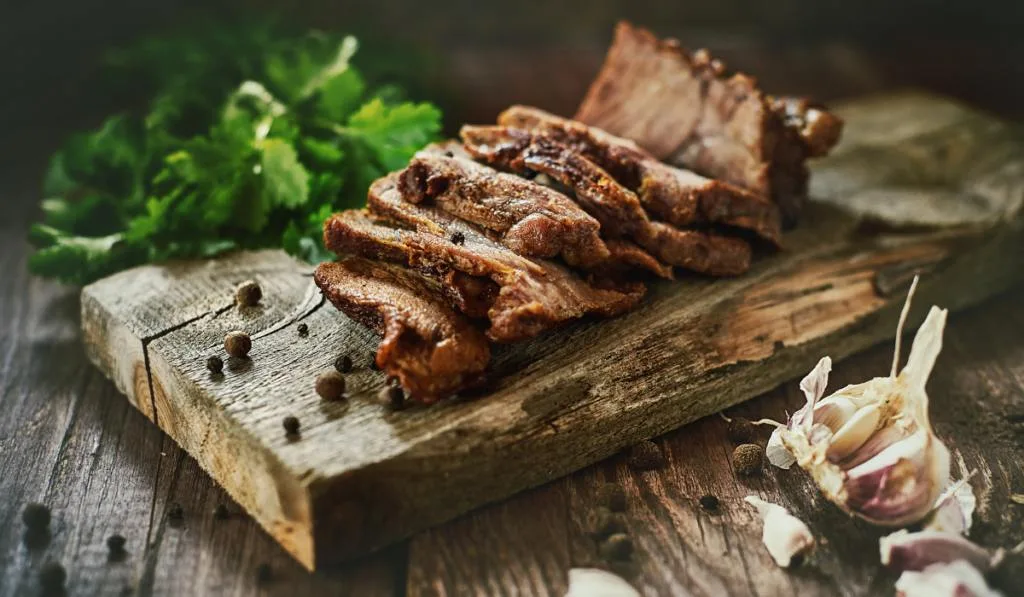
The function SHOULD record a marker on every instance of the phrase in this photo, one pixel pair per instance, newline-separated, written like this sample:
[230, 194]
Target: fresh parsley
[249, 139]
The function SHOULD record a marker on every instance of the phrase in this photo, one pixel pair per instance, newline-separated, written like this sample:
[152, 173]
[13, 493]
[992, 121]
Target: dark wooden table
[70, 441]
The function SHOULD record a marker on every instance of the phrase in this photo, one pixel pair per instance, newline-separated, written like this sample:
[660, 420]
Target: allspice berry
[391, 397]
[116, 543]
[215, 364]
[747, 458]
[741, 430]
[617, 546]
[709, 503]
[35, 516]
[237, 344]
[52, 577]
[248, 294]
[645, 456]
[343, 363]
[291, 425]
[330, 385]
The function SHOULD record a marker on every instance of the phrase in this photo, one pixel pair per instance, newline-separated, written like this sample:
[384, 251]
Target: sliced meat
[683, 110]
[533, 296]
[678, 196]
[617, 208]
[529, 218]
[432, 350]
[625, 257]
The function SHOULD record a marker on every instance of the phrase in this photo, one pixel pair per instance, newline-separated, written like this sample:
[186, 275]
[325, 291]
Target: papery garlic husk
[954, 510]
[904, 550]
[594, 582]
[956, 579]
[870, 447]
[784, 535]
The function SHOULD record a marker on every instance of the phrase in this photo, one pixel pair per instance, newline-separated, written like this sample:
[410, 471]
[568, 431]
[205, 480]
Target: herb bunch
[249, 139]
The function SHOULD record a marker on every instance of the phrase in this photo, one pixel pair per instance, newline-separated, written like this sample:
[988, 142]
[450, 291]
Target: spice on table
[52, 577]
[612, 497]
[709, 503]
[175, 512]
[115, 547]
[343, 363]
[741, 431]
[248, 294]
[221, 512]
[303, 329]
[617, 546]
[747, 458]
[392, 397]
[603, 522]
[330, 385]
[291, 425]
[215, 364]
[785, 536]
[237, 344]
[35, 516]
[458, 238]
[645, 456]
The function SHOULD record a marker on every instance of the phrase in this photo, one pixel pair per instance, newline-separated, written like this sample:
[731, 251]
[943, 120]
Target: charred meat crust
[432, 350]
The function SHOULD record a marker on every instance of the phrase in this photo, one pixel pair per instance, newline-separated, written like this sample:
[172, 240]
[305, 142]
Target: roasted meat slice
[682, 109]
[432, 350]
[678, 196]
[529, 218]
[533, 296]
[617, 208]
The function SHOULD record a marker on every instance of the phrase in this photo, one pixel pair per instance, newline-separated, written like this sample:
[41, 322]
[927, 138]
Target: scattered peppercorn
[391, 397]
[303, 329]
[175, 512]
[612, 497]
[237, 344]
[458, 238]
[264, 573]
[741, 431]
[52, 577]
[248, 293]
[215, 364]
[115, 544]
[221, 512]
[645, 456]
[35, 516]
[603, 522]
[330, 385]
[343, 363]
[617, 546]
[746, 459]
[709, 503]
[291, 425]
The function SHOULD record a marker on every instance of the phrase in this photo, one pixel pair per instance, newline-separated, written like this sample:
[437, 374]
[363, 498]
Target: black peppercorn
[611, 496]
[291, 425]
[52, 577]
[391, 397]
[221, 512]
[248, 293]
[458, 238]
[741, 431]
[330, 385]
[343, 364]
[175, 512]
[115, 544]
[215, 364]
[709, 503]
[747, 458]
[303, 329]
[645, 456]
[617, 547]
[237, 344]
[264, 573]
[35, 516]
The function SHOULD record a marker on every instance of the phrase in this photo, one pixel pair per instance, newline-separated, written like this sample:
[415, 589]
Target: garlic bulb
[870, 447]
[956, 579]
[594, 582]
[904, 550]
[785, 535]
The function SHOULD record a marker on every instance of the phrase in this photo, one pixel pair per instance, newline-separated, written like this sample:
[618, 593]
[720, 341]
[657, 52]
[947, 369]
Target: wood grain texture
[360, 478]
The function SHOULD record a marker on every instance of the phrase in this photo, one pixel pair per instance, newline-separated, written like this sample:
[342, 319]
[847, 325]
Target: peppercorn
[115, 544]
[303, 329]
[603, 522]
[175, 512]
[741, 431]
[248, 293]
[330, 385]
[237, 344]
[458, 238]
[52, 577]
[264, 573]
[35, 516]
[529, 174]
[709, 503]
[291, 425]
[391, 397]
[215, 364]
[612, 497]
[343, 364]
[746, 459]
[645, 456]
[617, 546]
[221, 512]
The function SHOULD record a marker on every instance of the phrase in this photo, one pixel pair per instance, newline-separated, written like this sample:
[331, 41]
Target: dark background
[482, 56]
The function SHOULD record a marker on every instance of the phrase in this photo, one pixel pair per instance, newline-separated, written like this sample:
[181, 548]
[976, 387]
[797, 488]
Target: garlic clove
[904, 550]
[956, 579]
[834, 411]
[594, 582]
[777, 452]
[784, 535]
[879, 440]
[854, 432]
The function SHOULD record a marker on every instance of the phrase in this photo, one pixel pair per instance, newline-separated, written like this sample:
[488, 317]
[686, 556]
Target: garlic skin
[955, 579]
[954, 511]
[870, 447]
[594, 582]
[916, 551]
[784, 535]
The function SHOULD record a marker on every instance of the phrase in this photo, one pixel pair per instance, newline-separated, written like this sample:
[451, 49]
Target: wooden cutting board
[919, 184]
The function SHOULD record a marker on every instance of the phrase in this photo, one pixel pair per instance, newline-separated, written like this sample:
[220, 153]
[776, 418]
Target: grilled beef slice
[432, 350]
[533, 296]
[617, 209]
[529, 218]
[681, 108]
[678, 196]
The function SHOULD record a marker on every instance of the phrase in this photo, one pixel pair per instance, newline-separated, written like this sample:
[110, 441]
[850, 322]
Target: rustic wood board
[360, 477]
